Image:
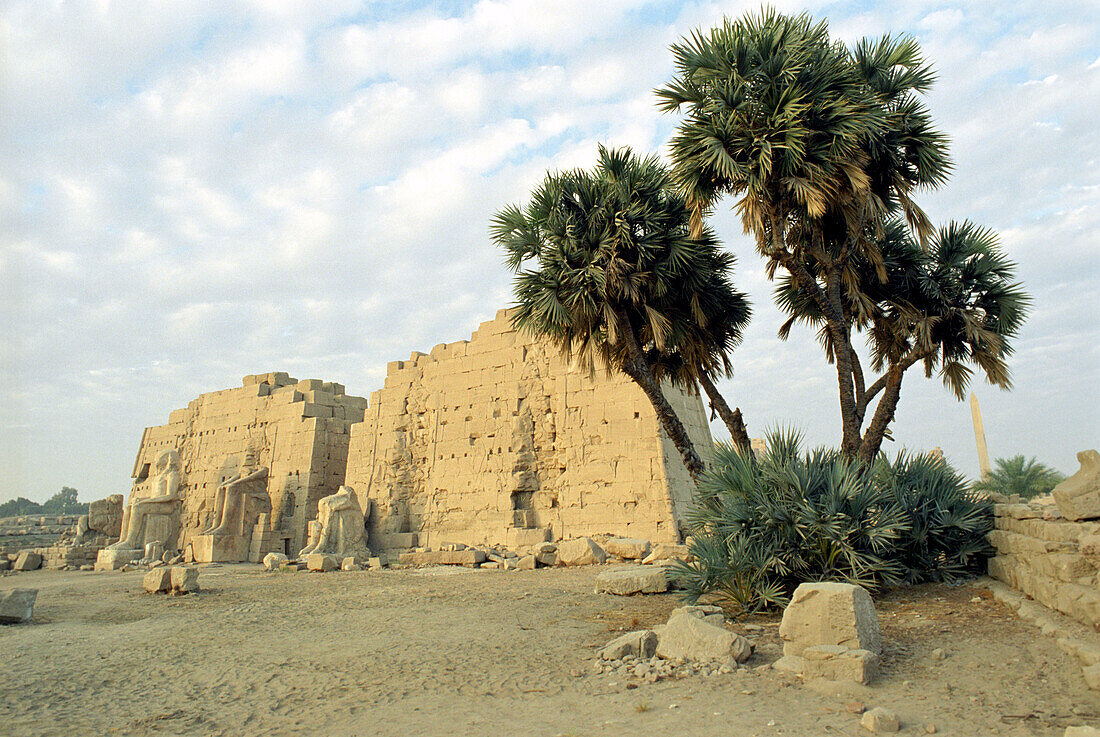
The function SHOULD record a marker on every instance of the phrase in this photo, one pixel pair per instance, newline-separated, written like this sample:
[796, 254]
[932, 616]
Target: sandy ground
[452, 651]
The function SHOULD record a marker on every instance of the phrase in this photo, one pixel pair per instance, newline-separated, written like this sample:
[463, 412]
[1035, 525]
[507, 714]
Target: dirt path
[455, 651]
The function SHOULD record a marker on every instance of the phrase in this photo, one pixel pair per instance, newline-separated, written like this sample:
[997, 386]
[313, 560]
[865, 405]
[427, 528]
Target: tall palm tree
[607, 270]
[820, 143]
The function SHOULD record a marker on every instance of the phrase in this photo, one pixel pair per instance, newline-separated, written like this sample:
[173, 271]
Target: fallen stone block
[667, 551]
[830, 614]
[376, 563]
[706, 612]
[321, 562]
[546, 559]
[28, 560]
[184, 580]
[158, 580]
[1078, 497]
[627, 580]
[583, 551]
[527, 563]
[836, 663]
[689, 637]
[640, 644]
[628, 548]
[113, 560]
[17, 605]
[273, 561]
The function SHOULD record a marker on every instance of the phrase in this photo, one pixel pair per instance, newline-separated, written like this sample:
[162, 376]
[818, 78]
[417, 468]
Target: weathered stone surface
[836, 663]
[830, 614]
[322, 562]
[1078, 497]
[662, 552]
[342, 530]
[627, 580]
[113, 560]
[469, 557]
[640, 644]
[158, 580]
[629, 548]
[527, 563]
[583, 551]
[184, 580]
[272, 561]
[690, 637]
[17, 605]
[28, 560]
[881, 720]
[1081, 731]
[706, 612]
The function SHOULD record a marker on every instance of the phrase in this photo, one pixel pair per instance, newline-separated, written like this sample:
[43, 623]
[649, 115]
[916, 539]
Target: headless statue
[163, 498]
[341, 529]
[231, 498]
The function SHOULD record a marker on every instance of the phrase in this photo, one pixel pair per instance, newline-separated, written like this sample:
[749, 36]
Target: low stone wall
[1052, 560]
[68, 556]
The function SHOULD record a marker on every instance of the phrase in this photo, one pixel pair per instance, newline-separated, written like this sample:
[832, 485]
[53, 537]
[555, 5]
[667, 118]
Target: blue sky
[193, 192]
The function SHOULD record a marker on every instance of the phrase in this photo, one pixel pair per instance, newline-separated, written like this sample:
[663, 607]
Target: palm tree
[1019, 476]
[821, 144]
[607, 270]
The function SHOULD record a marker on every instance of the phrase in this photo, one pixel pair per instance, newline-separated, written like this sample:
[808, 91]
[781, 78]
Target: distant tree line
[63, 502]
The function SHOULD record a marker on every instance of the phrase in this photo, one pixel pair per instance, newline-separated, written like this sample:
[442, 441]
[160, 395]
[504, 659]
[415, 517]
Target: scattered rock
[273, 561]
[583, 551]
[376, 563]
[667, 551]
[321, 562]
[17, 605]
[706, 612]
[629, 548]
[689, 637]
[527, 563]
[880, 719]
[939, 654]
[158, 580]
[87, 567]
[28, 560]
[640, 644]
[351, 563]
[627, 580]
[836, 663]
[855, 707]
[930, 728]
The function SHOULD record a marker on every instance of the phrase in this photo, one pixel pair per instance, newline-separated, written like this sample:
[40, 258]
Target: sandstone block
[1092, 676]
[158, 580]
[627, 580]
[527, 537]
[527, 563]
[629, 548]
[28, 560]
[689, 637]
[1081, 731]
[113, 560]
[272, 561]
[184, 580]
[1078, 497]
[580, 552]
[350, 563]
[377, 563]
[830, 614]
[706, 612]
[667, 551]
[17, 605]
[836, 663]
[640, 644]
[321, 562]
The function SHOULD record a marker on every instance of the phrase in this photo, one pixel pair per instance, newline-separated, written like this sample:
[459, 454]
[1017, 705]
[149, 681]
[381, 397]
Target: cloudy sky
[196, 191]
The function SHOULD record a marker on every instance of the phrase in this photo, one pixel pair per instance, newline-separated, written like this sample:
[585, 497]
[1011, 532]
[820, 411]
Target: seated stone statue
[342, 530]
[231, 499]
[159, 497]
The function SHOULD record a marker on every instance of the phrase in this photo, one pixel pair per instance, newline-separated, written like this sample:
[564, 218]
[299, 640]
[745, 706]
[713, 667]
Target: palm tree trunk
[884, 415]
[734, 422]
[842, 353]
[637, 368]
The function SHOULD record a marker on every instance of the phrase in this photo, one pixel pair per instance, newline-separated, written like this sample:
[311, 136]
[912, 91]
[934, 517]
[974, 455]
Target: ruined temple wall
[299, 431]
[496, 438]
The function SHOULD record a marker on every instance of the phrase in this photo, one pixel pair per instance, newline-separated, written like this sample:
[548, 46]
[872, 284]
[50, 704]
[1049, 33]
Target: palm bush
[762, 526]
[1020, 476]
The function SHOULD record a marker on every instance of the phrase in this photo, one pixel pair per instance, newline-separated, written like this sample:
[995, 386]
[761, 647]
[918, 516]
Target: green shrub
[762, 526]
[1018, 475]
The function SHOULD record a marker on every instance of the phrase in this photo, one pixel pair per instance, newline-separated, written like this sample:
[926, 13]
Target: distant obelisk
[979, 436]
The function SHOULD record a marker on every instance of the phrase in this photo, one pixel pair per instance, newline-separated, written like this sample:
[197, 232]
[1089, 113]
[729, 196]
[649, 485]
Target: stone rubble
[880, 720]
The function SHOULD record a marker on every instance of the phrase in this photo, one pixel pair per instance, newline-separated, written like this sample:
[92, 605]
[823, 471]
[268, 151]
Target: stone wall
[1052, 560]
[298, 430]
[497, 440]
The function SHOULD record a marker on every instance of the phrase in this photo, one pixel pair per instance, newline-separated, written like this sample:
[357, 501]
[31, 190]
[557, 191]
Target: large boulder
[28, 560]
[693, 638]
[17, 605]
[627, 580]
[184, 580]
[583, 551]
[158, 580]
[830, 614]
[628, 548]
[640, 644]
[1078, 497]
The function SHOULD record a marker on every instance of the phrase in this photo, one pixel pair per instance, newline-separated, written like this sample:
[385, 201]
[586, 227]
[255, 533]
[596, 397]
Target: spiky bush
[762, 526]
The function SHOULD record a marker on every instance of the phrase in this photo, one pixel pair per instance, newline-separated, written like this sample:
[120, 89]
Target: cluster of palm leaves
[1019, 476]
[761, 526]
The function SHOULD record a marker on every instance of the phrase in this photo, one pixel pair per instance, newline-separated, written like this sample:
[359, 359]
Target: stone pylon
[979, 435]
